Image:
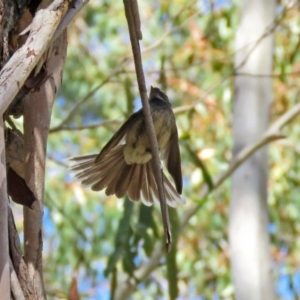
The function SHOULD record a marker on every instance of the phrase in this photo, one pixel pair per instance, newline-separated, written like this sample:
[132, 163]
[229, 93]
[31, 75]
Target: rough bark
[249, 241]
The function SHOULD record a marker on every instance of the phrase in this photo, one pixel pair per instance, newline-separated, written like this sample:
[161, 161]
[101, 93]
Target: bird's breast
[137, 149]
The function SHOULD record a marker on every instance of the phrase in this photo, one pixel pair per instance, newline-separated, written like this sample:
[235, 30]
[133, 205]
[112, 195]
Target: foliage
[187, 50]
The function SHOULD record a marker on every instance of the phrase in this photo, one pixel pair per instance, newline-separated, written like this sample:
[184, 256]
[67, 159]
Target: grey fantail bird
[125, 164]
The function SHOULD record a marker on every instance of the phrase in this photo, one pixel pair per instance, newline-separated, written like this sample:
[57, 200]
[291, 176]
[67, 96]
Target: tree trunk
[4, 257]
[20, 276]
[249, 241]
[37, 116]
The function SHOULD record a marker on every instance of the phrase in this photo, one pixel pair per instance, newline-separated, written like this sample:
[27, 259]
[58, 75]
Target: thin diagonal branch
[82, 127]
[132, 16]
[269, 30]
[61, 127]
[73, 111]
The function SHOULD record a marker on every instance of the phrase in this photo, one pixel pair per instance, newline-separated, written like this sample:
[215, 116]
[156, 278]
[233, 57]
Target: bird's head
[157, 93]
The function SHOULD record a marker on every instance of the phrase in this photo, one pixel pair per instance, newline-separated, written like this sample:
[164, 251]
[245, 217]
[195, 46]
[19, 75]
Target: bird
[125, 164]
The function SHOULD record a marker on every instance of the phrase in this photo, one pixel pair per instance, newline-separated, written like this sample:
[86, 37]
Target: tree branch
[132, 16]
[61, 127]
[20, 65]
[88, 126]
[73, 111]
[36, 127]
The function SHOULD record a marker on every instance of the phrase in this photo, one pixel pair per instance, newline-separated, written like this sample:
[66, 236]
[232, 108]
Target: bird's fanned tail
[113, 174]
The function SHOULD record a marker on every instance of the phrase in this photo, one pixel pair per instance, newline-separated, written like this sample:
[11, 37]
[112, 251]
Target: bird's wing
[118, 136]
[172, 160]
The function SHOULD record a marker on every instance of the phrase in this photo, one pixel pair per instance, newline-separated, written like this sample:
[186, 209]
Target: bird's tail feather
[119, 178]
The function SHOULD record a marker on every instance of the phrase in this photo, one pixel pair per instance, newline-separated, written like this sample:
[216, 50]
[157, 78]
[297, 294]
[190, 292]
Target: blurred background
[94, 243]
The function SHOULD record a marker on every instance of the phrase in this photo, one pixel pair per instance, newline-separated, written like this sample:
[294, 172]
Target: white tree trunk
[249, 241]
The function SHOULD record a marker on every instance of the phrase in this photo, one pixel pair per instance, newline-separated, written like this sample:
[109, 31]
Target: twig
[270, 29]
[85, 98]
[170, 29]
[131, 12]
[273, 133]
[218, 180]
[54, 204]
[272, 75]
[177, 110]
[82, 127]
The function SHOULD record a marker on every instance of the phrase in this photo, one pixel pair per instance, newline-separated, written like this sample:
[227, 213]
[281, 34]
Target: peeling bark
[18, 68]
